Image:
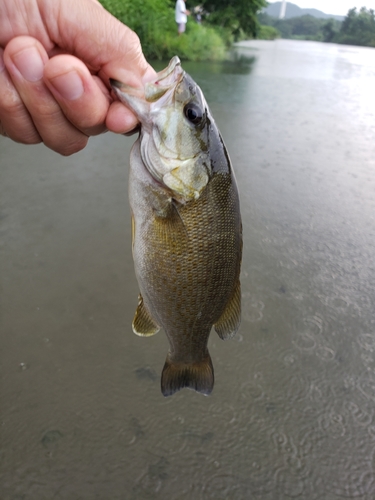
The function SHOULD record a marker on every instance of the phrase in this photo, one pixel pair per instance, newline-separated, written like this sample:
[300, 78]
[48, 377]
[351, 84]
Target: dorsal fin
[229, 322]
[143, 323]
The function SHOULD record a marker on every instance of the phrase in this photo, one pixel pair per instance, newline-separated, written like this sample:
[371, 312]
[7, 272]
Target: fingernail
[29, 63]
[69, 85]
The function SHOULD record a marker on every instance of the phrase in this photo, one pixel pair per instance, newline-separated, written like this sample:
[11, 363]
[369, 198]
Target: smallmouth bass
[186, 226]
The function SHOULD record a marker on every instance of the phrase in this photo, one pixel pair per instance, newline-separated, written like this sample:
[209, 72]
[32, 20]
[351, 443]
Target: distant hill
[293, 10]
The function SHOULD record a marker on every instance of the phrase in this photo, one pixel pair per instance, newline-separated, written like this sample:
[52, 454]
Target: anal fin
[143, 323]
[229, 322]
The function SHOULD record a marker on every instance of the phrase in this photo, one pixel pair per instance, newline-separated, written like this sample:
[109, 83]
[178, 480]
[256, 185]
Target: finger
[112, 50]
[83, 98]
[110, 42]
[120, 119]
[15, 121]
[25, 58]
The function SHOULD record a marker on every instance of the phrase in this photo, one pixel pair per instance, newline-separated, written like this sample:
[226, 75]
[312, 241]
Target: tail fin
[197, 376]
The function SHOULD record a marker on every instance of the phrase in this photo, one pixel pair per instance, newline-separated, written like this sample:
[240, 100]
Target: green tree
[267, 33]
[348, 26]
[239, 16]
[305, 25]
[328, 31]
[358, 28]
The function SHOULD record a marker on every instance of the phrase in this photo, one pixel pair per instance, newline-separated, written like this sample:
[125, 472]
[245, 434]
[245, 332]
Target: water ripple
[367, 341]
[361, 417]
[251, 391]
[252, 309]
[222, 487]
[311, 336]
[367, 388]
[290, 484]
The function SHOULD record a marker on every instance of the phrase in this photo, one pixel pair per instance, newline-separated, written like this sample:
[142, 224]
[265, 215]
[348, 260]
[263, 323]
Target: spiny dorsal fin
[197, 376]
[143, 323]
[229, 322]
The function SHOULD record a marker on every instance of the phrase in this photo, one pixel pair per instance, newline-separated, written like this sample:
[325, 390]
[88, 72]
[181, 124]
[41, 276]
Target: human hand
[55, 62]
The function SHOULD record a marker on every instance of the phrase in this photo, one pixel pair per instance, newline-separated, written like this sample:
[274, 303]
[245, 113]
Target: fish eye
[193, 113]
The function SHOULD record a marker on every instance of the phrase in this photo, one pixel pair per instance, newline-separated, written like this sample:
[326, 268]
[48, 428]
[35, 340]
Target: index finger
[103, 43]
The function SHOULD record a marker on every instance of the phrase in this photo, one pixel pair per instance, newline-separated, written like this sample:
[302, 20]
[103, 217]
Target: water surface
[292, 412]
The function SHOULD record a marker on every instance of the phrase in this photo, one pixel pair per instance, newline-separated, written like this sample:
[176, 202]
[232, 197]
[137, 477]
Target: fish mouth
[157, 93]
[166, 80]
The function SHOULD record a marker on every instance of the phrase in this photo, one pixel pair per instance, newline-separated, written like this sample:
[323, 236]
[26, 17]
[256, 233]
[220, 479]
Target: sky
[336, 7]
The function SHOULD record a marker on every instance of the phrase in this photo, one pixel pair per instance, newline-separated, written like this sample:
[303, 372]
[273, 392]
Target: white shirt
[181, 17]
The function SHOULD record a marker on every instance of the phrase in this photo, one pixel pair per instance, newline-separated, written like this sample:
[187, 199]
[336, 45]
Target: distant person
[198, 11]
[181, 16]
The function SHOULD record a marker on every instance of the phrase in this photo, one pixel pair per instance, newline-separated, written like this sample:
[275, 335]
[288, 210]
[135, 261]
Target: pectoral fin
[229, 322]
[143, 323]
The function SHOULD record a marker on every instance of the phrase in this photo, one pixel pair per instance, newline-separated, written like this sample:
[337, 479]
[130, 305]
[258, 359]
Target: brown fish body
[187, 256]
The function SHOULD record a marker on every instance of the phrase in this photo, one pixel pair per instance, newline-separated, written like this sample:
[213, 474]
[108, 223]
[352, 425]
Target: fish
[186, 226]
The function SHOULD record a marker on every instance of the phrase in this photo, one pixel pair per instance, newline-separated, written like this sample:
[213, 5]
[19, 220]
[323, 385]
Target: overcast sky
[337, 7]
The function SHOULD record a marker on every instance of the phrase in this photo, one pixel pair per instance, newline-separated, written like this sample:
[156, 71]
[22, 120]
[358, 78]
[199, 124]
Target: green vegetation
[267, 32]
[154, 23]
[303, 27]
[358, 28]
[238, 16]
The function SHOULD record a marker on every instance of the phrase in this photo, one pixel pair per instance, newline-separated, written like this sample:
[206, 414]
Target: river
[292, 414]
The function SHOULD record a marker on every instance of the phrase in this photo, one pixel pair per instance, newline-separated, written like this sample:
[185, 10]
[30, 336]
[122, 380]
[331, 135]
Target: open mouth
[165, 80]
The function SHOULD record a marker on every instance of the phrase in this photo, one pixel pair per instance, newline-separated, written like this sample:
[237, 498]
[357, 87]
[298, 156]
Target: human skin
[56, 58]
